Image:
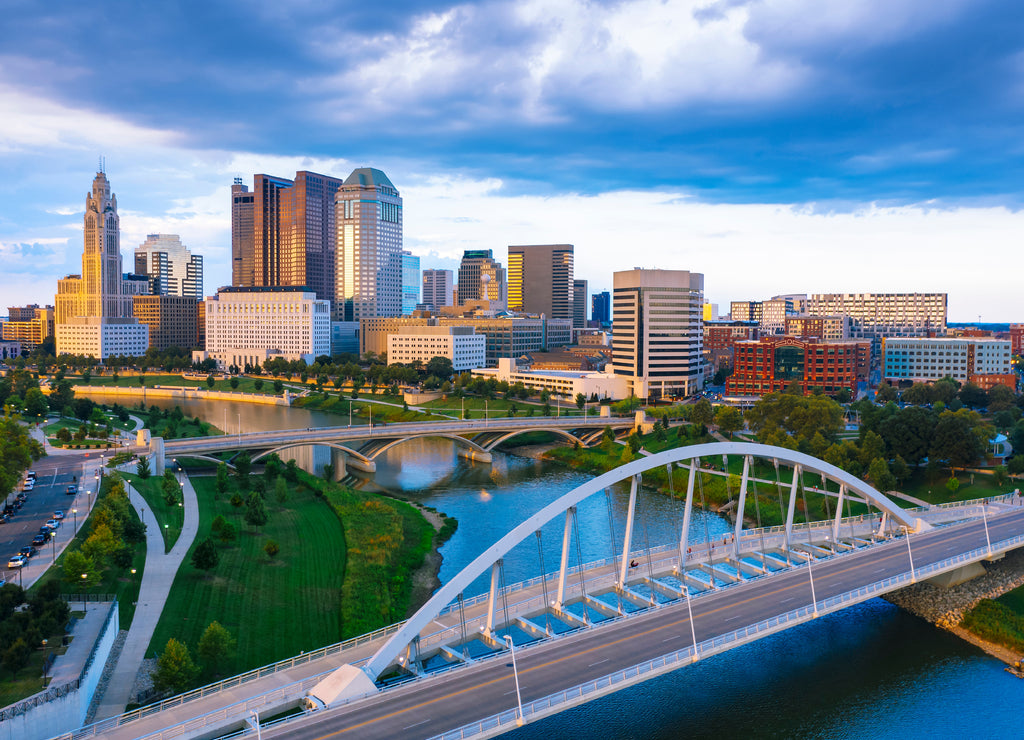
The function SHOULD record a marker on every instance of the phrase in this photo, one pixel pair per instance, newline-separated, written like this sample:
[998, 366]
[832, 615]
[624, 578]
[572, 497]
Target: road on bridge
[431, 707]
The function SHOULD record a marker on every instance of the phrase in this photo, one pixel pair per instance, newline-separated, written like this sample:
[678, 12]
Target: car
[31, 474]
[4, 518]
[52, 524]
[21, 497]
[46, 532]
[28, 485]
[72, 490]
[39, 539]
[28, 551]
[16, 561]
[58, 515]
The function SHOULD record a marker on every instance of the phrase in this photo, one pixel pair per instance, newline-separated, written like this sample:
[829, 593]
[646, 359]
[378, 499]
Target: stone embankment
[946, 607]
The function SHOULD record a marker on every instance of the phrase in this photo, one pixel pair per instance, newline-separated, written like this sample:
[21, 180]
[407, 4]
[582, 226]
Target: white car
[28, 485]
[52, 524]
[58, 515]
[16, 561]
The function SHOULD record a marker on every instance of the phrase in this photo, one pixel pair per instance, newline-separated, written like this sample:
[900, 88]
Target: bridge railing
[605, 684]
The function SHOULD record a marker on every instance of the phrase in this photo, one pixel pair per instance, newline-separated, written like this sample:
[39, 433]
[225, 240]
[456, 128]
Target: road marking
[673, 637]
[409, 727]
[598, 662]
[791, 598]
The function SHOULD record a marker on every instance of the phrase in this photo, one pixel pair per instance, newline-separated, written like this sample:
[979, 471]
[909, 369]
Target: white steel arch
[461, 441]
[318, 443]
[390, 651]
[516, 432]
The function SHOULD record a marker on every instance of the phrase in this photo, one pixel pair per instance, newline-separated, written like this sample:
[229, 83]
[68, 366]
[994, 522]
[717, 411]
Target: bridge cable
[462, 620]
[544, 582]
[849, 516]
[647, 544]
[704, 516]
[579, 566]
[504, 592]
[611, 531]
[757, 509]
[828, 508]
[782, 508]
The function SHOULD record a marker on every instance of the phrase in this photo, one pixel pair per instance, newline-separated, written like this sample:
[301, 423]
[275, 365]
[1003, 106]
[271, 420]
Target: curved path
[157, 578]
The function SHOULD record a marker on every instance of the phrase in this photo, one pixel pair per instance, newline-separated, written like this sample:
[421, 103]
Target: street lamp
[85, 604]
[74, 513]
[515, 674]
[44, 660]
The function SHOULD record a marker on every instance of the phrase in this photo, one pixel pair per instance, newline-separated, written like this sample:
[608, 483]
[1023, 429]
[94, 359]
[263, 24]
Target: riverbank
[947, 607]
[183, 392]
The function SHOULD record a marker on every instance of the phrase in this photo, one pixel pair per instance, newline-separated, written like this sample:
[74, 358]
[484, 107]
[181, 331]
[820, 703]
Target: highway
[430, 707]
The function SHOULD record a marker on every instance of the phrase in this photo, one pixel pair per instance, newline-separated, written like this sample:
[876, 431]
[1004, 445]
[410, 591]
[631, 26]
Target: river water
[868, 671]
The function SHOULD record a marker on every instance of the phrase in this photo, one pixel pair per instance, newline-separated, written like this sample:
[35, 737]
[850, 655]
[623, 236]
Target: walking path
[157, 578]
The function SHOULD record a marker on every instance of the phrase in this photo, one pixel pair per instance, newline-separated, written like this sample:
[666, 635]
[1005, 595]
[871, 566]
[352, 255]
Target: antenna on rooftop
[103, 165]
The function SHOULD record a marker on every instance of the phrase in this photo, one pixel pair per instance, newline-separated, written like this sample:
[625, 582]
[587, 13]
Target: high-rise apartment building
[657, 331]
[283, 233]
[581, 295]
[876, 315]
[410, 282]
[540, 279]
[171, 267]
[481, 278]
[368, 272]
[601, 308]
[437, 289]
[93, 312]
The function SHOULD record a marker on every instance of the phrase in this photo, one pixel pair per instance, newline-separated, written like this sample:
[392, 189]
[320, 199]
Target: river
[868, 671]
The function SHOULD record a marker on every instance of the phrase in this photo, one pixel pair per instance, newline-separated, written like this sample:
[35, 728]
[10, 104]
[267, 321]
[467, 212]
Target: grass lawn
[338, 404]
[934, 491]
[170, 516]
[122, 583]
[498, 407]
[28, 681]
[245, 383]
[274, 607]
[1014, 600]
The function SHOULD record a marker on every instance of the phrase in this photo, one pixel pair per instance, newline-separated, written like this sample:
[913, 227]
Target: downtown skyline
[774, 147]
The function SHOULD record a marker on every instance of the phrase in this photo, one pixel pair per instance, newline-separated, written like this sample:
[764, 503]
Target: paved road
[469, 694]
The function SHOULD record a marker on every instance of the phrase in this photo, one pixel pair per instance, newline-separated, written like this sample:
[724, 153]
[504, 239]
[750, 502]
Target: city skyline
[865, 147]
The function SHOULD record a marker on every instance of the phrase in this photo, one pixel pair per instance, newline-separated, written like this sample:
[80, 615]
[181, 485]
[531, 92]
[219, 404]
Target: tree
[61, 396]
[205, 556]
[35, 403]
[918, 394]
[885, 393]
[215, 647]
[210, 380]
[328, 472]
[729, 419]
[973, 395]
[291, 471]
[440, 367]
[142, 467]
[64, 435]
[243, 466]
[702, 414]
[142, 381]
[955, 441]
[271, 548]
[101, 543]
[900, 469]
[170, 489]
[280, 490]
[871, 448]
[233, 382]
[255, 510]
[229, 532]
[16, 656]
[175, 670]
[953, 484]
[75, 564]
[581, 401]
[878, 472]
[278, 386]
[222, 478]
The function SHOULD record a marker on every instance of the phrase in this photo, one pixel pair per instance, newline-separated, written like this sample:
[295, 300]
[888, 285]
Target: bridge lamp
[515, 674]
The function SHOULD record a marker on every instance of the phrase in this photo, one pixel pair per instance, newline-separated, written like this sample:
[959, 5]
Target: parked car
[28, 551]
[72, 490]
[28, 485]
[16, 561]
[39, 539]
[31, 474]
[46, 532]
[52, 524]
[4, 518]
[58, 515]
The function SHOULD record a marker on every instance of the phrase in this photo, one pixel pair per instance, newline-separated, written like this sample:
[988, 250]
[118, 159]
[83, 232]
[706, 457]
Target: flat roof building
[172, 320]
[460, 344]
[540, 280]
[770, 364]
[984, 362]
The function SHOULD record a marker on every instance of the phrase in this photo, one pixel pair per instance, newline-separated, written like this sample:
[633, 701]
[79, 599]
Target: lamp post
[256, 724]
[515, 674]
[44, 660]
[85, 604]
[74, 513]
[485, 412]
[350, 412]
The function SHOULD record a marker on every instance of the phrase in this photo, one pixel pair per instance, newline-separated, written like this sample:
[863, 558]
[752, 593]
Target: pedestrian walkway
[68, 667]
[157, 578]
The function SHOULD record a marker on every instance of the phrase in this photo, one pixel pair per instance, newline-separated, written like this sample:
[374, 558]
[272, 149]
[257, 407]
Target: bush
[271, 548]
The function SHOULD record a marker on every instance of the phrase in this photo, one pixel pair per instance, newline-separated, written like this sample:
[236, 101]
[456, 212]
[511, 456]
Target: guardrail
[662, 664]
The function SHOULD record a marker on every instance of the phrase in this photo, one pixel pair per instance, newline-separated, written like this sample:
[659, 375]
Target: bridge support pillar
[687, 509]
[474, 455]
[742, 507]
[797, 470]
[958, 576]
[626, 540]
[156, 449]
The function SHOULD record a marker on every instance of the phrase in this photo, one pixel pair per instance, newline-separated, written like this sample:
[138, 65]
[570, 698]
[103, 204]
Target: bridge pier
[156, 449]
[472, 455]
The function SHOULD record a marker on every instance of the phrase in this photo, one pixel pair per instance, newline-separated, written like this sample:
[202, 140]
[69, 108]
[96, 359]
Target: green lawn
[1014, 600]
[28, 681]
[274, 608]
[498, 407]
[338, 404]
[170, 516]
[246, 384]
[934, 491]
[123, 583]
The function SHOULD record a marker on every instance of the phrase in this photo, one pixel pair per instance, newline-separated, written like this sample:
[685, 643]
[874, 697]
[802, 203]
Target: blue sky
[776, 146]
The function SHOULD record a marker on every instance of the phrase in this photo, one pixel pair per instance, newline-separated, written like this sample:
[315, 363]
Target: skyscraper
[601, 308]
[172, 269]
[579, 303]
[437, 288]
[368, 274]
[540, 279]
[410, 282]
[481, 278]
[283, 233]
[93, 312]
[657, 331]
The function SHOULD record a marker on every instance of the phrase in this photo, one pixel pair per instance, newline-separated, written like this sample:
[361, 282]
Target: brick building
[770, 364]
[721, 336]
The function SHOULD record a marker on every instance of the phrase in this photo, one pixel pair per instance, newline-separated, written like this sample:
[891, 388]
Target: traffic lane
[551, 668]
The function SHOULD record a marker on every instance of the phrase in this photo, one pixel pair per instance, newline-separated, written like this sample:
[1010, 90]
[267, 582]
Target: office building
[460, 344]
[248, 326]
[1017, 339]
[437, 289]
[93, 311]
[564, 384]
[746, 311]
[171, 267]
[173, 320]
[481, 278]
[28, 325]
[601, 308]
[368, 273]
[770, 364]
[283, 233]
[410, 283]
[984, 362]
[657, 331]
[720, 339]
[777, 309]
[581, 295]
[540, 280]
[823, 327]
[710, 311]
[344, 338]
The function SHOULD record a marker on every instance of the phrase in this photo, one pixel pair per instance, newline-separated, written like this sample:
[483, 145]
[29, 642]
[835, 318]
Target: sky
[776, 146]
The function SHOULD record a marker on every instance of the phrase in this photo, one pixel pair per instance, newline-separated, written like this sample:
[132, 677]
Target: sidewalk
[157, 578]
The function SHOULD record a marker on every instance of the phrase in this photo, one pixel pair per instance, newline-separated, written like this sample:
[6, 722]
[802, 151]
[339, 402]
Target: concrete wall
[61, 709]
